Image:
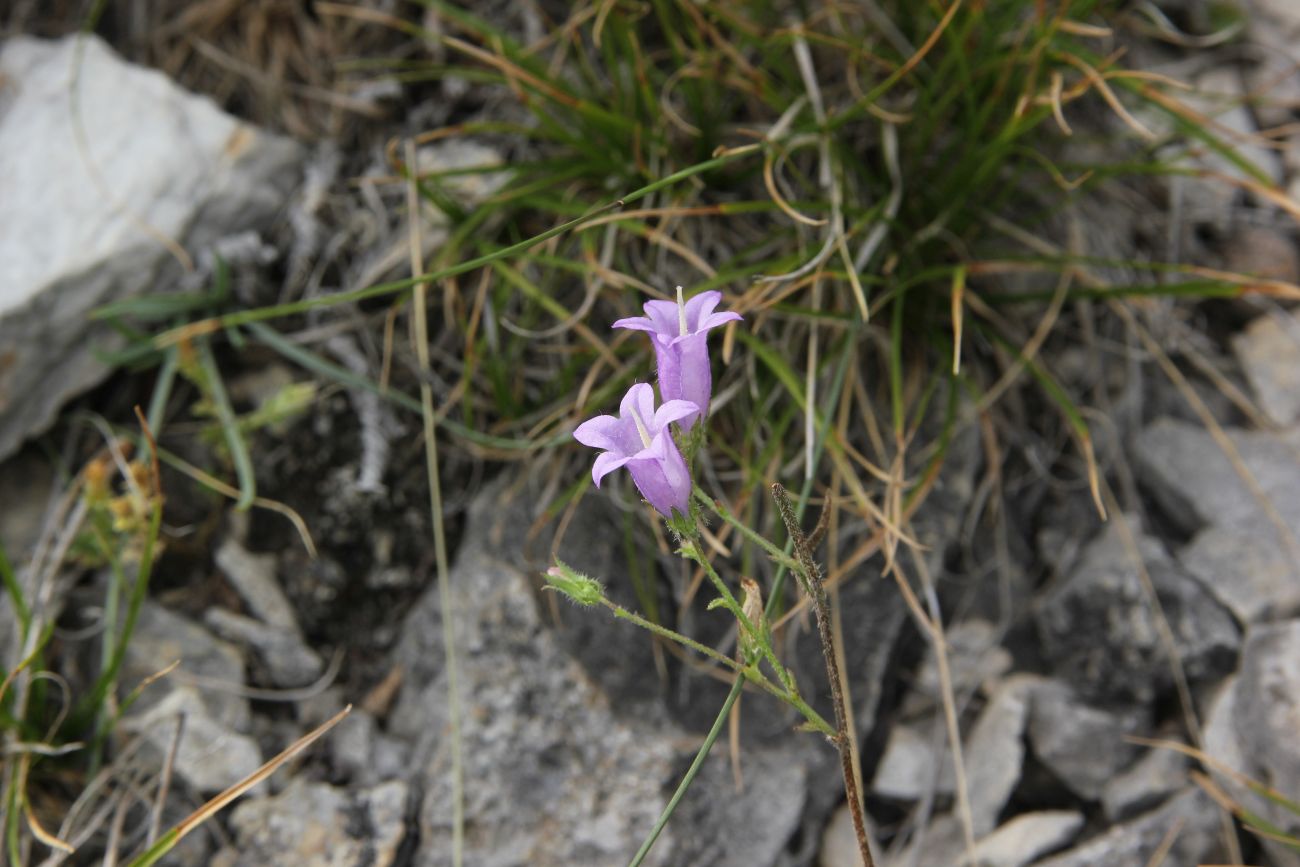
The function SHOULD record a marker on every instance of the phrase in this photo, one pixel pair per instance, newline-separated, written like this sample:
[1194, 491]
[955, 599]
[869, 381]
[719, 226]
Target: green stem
[665, 632]
[691, 773]
[725, 514]
[777, 582]
[760, 639]
[750, 673]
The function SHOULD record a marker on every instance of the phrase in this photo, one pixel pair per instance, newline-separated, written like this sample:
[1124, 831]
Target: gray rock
[1219, 94]
[1279, 17]
[1269, 351]
[1196, 483]
[1223, 741]
[162, 637]
[754, 826]
[910, 766]
[1149, 781]
[254, 579]
[88, 205]
[995, 751]
[1083, 746]
[940, 844]
[1265, 251]
[975, 657]
[1018, 842]
[839, 843]
[1101, 635]
[1247, 568]
[554, 776]
[317, 825]
[288, 660]
[210, 757]
[1028, 837]
[1268, 712]
[213, 753]
[1192, 816]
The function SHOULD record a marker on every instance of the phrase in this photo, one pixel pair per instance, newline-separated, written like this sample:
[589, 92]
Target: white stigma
[640, 428]
[681, 312]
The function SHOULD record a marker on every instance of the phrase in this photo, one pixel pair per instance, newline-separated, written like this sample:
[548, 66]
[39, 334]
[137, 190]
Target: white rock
[1269, 351]
[1249, 569]
[214, 753]
[995, 751]
[316, 825]
[1197, 484]
[1250, 729]
[254, 578]
[840, 842]
[1150, 780]
[993, 755]
[89, 197]
[909, 767]
[1028, 837]
[210, 757]
[1191, 812]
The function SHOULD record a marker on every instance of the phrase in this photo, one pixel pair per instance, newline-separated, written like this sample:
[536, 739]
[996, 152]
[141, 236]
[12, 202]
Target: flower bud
[578, 587]
[752, 606]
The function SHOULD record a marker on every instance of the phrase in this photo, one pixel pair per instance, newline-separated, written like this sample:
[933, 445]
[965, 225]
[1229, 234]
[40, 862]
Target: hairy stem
[810, 575]
[750, 673]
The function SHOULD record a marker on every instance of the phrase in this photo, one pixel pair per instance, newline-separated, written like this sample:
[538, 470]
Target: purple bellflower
[639, 439]
[679, 330]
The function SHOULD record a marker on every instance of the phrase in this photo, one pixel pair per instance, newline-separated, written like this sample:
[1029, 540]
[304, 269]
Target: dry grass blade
[208, 810]
[1166, 844]
[1099, 82]
[41, 834]
[210, 481]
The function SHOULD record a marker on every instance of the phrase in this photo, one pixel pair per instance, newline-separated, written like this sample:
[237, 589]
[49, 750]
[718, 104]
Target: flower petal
[664, 316]
[713, 320]
[699, 308]
[602, 432]
[636, 323]
[645, 408]
[638, 397]
[671, 411]
[606, 463]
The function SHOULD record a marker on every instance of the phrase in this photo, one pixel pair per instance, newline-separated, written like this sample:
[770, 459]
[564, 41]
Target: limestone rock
[995, 751]
[1195, 481]
[213, 753]
[1192, 813]
[1269, 351]
[910, 764]
[1028, 837]
[89, 201]
[1100, 632]
[1082, 745]
[1249, 569]
[1149, 781]
[1252, 723]
[317, 825]
[555, 776]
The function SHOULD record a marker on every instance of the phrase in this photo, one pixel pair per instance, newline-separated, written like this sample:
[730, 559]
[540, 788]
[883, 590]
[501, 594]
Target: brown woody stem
[810, 577]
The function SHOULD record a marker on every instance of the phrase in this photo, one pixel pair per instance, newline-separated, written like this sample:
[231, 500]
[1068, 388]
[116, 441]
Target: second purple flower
[638, 438]
[679, 331]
